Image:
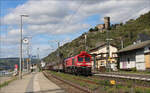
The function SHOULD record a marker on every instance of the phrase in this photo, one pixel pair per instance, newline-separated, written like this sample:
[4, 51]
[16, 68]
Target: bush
[134, 69]
[91, 29]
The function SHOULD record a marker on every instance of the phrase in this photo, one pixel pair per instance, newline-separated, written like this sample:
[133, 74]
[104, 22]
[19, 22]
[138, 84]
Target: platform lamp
[20, 61]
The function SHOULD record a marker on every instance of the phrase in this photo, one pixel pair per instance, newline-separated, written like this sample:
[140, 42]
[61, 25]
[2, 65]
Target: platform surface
[32, 83]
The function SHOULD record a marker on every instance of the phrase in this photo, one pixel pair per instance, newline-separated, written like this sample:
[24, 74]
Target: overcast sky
[61, 20]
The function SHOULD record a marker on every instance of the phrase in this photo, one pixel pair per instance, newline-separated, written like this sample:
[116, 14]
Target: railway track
[126, 76]
[76, 86]
[100, 83]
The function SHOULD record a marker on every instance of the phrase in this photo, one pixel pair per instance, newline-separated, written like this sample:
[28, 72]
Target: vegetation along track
[97, 84]
[67, 85]
[139, 80]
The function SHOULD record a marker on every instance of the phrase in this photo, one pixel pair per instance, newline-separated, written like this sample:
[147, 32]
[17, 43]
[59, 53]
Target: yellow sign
[112, 82]
[109, 59]
[27, 59]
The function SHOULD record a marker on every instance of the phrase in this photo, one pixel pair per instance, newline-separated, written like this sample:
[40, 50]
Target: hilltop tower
[107, 22]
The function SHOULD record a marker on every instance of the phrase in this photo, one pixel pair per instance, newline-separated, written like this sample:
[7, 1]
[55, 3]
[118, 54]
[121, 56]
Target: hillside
[9, 63]
[127, 32]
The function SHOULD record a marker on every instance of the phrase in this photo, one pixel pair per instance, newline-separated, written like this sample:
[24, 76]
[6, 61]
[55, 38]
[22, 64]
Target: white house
[101, 55]
[135, 56]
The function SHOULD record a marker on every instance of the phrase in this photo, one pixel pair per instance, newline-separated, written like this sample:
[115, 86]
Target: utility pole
[122, 44]
[28, 59]
[94, 55]
[38, 56]
[58, 43]
[58, 51]
[20, 61]
[85, 41]
[23, 65]
[29, 55]
[20, 67]
[107, 56]
[108, 50]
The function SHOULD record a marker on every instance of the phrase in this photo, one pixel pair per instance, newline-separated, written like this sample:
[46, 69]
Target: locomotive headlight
[88, 63]
[79, 63]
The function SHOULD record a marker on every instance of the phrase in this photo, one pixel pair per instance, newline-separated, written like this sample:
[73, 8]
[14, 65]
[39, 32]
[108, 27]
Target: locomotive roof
[84, 53]
[81, 54]
[68, 58]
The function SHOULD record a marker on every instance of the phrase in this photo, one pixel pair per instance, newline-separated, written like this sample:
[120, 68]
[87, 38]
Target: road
[32, 83]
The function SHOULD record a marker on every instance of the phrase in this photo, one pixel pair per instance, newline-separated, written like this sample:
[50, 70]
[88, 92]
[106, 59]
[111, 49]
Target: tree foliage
[127, 32]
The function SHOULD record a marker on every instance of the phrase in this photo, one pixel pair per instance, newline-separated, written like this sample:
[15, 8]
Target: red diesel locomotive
[79, 64]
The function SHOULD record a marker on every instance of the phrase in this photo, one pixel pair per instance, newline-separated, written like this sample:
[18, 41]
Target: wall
[100, 26]
[103, 49]
[107, 22]
[127, 60]
[147, 56]
[147, 61]
[147, 49]
[140, 60]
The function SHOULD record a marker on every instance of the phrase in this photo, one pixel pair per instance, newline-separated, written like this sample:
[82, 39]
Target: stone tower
[107, 22]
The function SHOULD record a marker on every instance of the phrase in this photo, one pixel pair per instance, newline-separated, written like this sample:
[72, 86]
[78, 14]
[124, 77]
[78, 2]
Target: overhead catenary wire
[71, 17]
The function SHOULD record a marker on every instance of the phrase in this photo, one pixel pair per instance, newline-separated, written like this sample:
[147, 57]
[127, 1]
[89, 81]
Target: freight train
[78, 65]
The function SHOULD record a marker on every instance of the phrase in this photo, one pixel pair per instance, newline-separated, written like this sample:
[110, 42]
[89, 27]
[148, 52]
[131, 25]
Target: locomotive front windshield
[87, 59]
[80, 59]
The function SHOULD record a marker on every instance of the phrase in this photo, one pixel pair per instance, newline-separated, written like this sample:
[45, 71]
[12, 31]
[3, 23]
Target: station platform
[32, 83]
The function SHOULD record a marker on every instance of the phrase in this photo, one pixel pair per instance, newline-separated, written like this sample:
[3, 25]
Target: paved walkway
[32, 83]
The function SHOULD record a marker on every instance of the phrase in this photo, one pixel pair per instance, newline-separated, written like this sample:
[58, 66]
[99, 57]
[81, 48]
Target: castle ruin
[106, 24]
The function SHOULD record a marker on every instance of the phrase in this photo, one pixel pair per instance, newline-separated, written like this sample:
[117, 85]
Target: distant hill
[127, 32]
[8, 63]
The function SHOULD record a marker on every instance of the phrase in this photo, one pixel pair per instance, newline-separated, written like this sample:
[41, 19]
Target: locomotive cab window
[80, 59]
[73, 61]
[87, 59]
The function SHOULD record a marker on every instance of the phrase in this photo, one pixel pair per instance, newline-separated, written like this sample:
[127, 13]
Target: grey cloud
[60, 16]
[38, 10]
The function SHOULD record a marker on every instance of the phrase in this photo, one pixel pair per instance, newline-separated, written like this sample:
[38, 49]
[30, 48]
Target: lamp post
[20, 61]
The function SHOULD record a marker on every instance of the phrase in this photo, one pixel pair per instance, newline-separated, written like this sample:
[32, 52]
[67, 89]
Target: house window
[73, 61]
[128, 60]
[113, 61]
[102, 63]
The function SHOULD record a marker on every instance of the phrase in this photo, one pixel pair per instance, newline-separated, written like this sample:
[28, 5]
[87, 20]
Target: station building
[136, 56]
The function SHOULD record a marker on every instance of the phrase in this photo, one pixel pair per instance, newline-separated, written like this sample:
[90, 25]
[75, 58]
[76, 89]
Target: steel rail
[68, 82]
